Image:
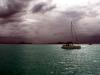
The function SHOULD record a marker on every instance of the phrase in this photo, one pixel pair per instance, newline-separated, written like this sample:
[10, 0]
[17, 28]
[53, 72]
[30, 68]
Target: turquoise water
[49, 60]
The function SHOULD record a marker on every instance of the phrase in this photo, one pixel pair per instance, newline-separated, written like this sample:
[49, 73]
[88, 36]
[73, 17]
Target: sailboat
[71, 45]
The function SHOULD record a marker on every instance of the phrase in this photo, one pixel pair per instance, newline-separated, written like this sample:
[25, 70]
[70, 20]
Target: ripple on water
[45, 60]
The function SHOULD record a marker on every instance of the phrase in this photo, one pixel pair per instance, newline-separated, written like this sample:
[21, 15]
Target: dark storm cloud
[9, 7]
[42, 7]
[38, 7]
[40, 21]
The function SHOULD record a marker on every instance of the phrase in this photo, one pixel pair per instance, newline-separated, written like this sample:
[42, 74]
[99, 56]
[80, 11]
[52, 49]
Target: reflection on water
[49, 60]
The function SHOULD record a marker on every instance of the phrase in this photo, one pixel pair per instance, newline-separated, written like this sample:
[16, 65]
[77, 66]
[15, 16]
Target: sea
[29, 59]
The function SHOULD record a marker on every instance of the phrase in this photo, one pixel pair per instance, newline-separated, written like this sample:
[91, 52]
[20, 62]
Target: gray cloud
[41, 22]
[42, 7]
[38, 7]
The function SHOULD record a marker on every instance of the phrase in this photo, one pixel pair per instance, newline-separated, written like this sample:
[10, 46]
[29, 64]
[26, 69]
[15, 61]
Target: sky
[49, 21]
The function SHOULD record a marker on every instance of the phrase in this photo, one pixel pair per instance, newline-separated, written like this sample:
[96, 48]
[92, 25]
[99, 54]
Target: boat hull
[71, 47]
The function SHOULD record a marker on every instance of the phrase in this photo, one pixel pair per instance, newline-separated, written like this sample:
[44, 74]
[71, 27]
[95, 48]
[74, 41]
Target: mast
[70, 45]
[74, 34]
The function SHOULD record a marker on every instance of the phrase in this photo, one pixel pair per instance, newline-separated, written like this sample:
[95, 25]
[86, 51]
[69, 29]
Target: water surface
[49, 60]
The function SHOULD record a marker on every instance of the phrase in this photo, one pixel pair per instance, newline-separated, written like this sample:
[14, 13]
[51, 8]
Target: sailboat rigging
[70, 45]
